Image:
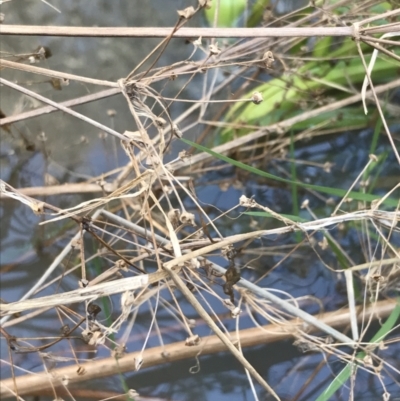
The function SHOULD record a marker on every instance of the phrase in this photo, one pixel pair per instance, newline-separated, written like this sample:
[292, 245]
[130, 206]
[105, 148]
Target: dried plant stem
[352, 186]
[380, 40]
[378, 105]
[79, 188]
[54, 74]
[32, 384]
[286, 124]
[387, 14]
[157, 32]
[382, 49]
[49, 109]
[200, 310]
[57, 260]
[118, 286]
[63, 108]
[85, 294]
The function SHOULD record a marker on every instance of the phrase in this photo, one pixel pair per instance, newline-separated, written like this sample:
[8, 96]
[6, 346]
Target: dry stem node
[187, 13]
[214, 50]
[205, 3]
[257, 98]
[268, 59]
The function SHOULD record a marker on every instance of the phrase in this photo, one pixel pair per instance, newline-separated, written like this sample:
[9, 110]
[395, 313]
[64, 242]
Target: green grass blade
[330, 191]
[295, 219]
[344, 375]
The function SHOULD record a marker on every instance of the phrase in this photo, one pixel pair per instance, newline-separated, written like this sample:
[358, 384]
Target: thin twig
[157, 32]
[49, 109]
[229, 146]
[382, 49]
[200, 310]
[54, 74]
[378, 105]
[31, 384]
[63, 108]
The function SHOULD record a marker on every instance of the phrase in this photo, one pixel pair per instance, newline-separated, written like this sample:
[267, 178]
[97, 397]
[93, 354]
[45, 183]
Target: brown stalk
[220, 334]
[156, 32]
[49, 109]
[30, 384]
[63, 108]
[54, 74]
[373, 90]
[381, 49]
[201, 157]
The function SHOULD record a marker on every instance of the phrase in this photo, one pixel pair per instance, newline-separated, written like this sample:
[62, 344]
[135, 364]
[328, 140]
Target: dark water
[74, 150]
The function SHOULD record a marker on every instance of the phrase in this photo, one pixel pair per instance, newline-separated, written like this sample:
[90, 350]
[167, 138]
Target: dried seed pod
[174, 216]
[177, 132]
[268, 59]
[83, 283]
[152, 160]
[199, 234]
[37, 208]
[197, 42]
[246, 202]
[183, 155]
[86, 335]
[50, 180]
[327, 167]
[205, 3]
[160, 122]
[133, 394]
[121, 264]
[97, 338]
[229, 251]
[187, 218]
[194, 263]
[65, 330]
[94, 327]
[235, 312]
[193, 340]
[323, 244]
[257, 98]
[227, 302]
[305, 204]
[368, 361]
[43, 52]
[214, 50]
[191, 323]
[187, 13]
[119, 351]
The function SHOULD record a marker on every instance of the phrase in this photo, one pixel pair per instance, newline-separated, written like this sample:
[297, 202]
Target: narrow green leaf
[330, 191]
[338, 253]
[295, 219]
[344, 375]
